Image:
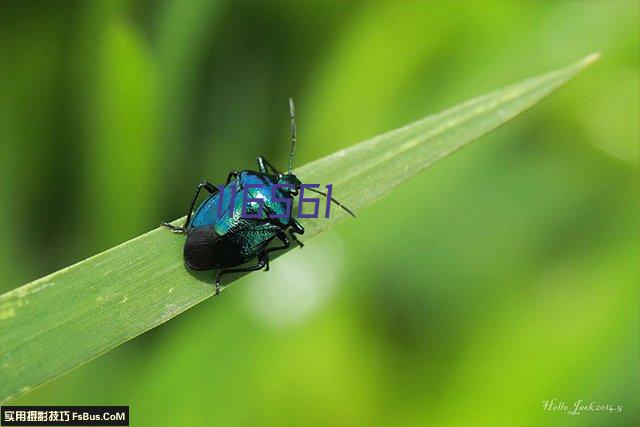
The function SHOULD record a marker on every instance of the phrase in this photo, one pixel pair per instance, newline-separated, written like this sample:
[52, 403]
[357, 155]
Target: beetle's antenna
[349, 211]
[292, 115]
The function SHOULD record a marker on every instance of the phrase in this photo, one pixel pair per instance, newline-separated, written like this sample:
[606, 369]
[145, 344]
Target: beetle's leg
[232, 174]
[286, 243]
[262, 263]
[264, 166]
[207, 186]
[263, 260]
[295, 239]
[296, 228]
[173, 228]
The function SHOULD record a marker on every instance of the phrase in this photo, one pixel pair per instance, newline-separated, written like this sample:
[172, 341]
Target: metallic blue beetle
[228, 230]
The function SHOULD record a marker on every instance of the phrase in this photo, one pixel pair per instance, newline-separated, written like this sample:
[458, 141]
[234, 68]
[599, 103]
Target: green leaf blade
[59, 322]
[409, 150]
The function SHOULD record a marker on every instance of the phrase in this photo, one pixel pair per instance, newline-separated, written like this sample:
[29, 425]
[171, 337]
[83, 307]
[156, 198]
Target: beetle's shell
[225, 240]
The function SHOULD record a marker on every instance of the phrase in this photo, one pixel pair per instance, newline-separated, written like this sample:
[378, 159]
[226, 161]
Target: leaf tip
[590, 59]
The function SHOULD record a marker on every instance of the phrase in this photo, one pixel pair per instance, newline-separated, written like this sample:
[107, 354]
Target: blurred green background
[511, 278]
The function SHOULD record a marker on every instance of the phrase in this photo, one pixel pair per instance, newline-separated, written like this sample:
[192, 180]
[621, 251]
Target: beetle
[226, 231]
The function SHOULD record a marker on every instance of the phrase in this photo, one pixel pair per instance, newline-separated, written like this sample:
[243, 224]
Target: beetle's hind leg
[263, 261]
[296, 228]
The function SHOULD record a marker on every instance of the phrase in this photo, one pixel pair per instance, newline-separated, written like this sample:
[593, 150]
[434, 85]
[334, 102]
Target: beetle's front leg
[232, 174]
[265, 166]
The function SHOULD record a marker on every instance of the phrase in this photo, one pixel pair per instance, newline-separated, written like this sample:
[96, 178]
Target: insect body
[228, 230]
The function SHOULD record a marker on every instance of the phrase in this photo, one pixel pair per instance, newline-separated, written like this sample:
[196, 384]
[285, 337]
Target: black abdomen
[206, 250]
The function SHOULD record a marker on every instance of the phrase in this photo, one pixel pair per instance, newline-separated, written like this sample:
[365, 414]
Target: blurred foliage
[510, 278]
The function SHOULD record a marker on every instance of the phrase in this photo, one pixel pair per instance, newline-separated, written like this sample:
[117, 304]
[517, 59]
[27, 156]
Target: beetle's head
[292, 182]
